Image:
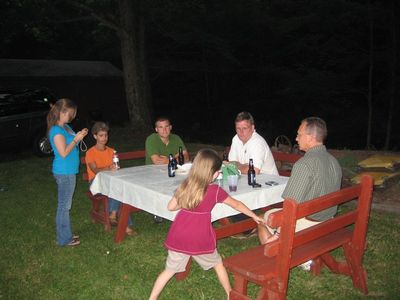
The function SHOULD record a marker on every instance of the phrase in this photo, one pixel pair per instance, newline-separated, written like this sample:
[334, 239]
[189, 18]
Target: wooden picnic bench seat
[99, 212]
[268, 265]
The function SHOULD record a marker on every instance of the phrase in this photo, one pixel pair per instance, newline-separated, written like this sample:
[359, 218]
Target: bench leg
[316, 266]
[99, 211]
[107, 224]
[234, 295]
[274, 289]
[240, 284]
[334, 265]
[357, 271]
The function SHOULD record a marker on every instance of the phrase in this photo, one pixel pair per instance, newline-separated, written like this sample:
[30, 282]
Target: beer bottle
[181, 159]
[251, 174]
[115, 160]
[171, 166]
[225, 156]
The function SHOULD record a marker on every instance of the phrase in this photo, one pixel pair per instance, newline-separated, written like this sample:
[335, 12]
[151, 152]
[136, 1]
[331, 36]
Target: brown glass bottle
[251, 174]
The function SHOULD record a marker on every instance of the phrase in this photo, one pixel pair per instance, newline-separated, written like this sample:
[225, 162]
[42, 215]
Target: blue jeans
[113, 205]
[66, 187]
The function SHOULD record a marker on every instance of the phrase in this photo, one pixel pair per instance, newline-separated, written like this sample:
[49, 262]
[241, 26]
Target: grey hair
[317, 127]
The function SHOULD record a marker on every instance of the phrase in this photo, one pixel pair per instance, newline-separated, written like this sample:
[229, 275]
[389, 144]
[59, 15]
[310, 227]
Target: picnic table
[149, 188]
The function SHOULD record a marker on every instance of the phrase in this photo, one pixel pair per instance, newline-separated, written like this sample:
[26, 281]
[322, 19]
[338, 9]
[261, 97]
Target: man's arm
[186, 155]
[152, 153]
[95, 169]
[159, 159]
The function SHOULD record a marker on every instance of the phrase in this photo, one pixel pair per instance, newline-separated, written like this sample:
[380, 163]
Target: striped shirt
[316, 174]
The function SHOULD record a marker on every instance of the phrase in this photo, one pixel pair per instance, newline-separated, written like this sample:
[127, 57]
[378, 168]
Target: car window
[25, 101]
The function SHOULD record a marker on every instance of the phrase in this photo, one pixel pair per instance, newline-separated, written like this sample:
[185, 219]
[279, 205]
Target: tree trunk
[131, 34]
[393, 74]
[370, 73]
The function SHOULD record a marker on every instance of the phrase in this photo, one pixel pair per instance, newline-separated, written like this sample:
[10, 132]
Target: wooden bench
[268, 265]
[99, 212]
[284, 161]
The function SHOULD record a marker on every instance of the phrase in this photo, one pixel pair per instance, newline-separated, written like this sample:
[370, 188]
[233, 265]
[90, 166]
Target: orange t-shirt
[102, 159]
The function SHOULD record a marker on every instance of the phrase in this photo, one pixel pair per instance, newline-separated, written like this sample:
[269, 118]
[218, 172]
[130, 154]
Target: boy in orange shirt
[99, 158]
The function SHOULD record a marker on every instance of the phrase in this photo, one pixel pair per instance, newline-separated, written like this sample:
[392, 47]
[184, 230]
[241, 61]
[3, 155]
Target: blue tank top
[64, 165]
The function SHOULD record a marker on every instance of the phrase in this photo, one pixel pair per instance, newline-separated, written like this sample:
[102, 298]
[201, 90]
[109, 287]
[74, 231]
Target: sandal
[113, 221]
[73, 243]
[129, 231]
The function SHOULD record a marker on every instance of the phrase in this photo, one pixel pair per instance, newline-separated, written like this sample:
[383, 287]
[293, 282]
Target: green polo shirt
[316, 174]
[154, 145]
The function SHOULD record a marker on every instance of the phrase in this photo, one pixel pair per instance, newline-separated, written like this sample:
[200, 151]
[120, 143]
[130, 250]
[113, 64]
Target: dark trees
[207, 60]
[125, 18]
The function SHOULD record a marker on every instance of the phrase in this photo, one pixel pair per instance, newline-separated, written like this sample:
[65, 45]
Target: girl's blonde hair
[61, 106]
[191, 192]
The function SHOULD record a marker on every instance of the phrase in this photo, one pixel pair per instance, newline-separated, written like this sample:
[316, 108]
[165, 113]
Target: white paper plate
[184, 169]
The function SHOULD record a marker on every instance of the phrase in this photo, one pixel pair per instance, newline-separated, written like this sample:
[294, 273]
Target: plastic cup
[233, 182]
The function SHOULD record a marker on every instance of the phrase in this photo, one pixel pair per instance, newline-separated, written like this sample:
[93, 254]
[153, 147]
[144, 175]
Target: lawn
[32, 266]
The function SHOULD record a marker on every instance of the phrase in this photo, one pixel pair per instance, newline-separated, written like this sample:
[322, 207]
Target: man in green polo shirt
[162, 143]
[316, 174]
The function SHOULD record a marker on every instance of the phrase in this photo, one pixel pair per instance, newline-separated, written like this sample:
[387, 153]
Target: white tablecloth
[149, 188]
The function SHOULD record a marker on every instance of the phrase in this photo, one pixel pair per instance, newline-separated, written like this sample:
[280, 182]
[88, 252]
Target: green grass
[32, 266]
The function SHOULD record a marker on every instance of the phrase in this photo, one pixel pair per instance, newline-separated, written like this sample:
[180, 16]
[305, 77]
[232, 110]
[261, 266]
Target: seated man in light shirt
[247, 143]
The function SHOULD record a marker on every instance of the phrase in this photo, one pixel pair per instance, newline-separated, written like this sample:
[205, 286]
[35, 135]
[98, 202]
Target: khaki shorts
[177, 262]
[301, 224]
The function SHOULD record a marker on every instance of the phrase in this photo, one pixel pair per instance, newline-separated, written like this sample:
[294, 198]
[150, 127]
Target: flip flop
[130, 232]
[113, 221]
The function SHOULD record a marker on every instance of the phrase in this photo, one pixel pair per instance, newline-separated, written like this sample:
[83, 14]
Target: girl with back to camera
[64, 142]
[191, 234]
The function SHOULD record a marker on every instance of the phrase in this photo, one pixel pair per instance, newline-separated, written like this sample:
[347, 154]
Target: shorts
[301, 224]
[177, 261]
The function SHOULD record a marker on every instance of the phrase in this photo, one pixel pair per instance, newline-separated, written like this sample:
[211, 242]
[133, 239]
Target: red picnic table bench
[269, 265]
[99, 211]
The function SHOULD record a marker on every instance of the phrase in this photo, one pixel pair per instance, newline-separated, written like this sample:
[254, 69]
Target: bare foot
[131, 232]
[272, 238]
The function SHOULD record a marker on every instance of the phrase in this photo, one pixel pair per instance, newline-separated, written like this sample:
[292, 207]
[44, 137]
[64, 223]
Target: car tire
[41, 146]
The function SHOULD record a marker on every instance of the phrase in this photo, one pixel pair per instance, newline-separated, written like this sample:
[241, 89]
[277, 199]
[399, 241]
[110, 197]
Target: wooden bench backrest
[139, 154]
[286, 218]
[283, 158]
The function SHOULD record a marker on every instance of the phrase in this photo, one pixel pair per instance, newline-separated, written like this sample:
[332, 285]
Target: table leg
[122, 223]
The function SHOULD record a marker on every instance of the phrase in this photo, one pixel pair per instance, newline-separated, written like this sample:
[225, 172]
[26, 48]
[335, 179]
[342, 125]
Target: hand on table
[113, 167]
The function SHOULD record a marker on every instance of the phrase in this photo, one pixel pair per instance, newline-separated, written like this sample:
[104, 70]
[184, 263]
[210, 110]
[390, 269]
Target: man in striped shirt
[317, 173]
